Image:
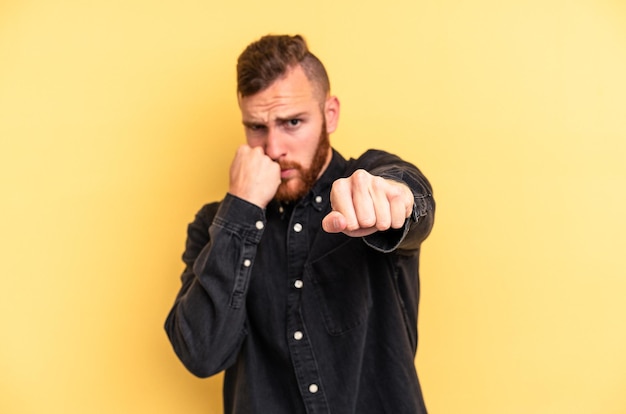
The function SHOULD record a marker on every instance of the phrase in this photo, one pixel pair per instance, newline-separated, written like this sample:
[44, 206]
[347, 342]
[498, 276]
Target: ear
[331, 112]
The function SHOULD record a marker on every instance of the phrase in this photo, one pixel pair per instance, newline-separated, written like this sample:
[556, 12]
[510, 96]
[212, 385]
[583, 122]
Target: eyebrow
[290, 117]
[250, 124]
[280, 119]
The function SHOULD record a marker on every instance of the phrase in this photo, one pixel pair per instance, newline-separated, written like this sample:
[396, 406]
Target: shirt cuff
[241, 216]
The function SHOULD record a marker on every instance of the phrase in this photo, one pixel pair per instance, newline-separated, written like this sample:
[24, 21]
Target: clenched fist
[254, 177]
[364, 204]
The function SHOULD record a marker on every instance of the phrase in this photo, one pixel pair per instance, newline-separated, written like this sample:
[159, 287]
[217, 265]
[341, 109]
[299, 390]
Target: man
[302, 283]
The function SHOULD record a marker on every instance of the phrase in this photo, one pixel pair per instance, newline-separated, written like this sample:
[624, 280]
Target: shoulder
[376, 156]
[375, 160]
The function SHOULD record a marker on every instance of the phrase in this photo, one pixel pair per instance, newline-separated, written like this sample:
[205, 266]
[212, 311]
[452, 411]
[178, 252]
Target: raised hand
[364, 204]
[254, 177]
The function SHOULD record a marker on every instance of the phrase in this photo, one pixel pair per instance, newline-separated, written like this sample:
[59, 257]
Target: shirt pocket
[342, 284]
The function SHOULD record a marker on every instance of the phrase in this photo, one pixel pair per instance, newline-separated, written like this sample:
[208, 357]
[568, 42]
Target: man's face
[292, 123]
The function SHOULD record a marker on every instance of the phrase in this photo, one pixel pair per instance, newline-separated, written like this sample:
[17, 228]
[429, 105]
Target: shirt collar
[319, 195]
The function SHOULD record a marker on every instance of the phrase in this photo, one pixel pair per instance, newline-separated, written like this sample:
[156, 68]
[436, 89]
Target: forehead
[293, 92]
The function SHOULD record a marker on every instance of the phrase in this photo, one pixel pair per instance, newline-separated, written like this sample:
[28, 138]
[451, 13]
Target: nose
[274, 144]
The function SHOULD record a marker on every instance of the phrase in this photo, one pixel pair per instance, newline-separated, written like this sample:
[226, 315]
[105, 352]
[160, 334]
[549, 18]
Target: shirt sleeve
[418, 226]
[207, 323]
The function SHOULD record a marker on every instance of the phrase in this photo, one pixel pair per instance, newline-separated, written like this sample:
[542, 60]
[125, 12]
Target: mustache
[284, 165]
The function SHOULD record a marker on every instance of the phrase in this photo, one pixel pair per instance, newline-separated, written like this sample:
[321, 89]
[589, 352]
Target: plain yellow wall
[118, 119]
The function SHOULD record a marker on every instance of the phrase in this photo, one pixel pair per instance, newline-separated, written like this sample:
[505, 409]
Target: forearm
[206, 325]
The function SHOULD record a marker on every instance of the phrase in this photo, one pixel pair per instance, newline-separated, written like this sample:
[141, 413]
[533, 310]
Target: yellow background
[118, 119]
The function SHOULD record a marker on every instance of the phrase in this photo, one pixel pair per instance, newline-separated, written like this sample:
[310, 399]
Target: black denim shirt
[304, 321]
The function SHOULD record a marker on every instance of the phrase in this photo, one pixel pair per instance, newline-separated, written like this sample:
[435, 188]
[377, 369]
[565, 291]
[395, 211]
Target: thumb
[334, 222]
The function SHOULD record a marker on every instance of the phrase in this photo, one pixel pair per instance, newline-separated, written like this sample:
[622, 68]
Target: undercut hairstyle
[271, 57]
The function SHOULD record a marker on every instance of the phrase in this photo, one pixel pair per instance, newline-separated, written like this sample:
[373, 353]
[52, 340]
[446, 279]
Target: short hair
[269, 58]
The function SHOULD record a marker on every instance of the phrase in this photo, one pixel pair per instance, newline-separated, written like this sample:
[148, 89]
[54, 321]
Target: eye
[256, 127]
[293, 123]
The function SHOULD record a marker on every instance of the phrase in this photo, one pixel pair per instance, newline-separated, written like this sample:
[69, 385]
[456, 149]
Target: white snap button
[318, 199]
[297, 335]
[297, 227]
[247, 263]
[298, 284]
[313, 388]
[259, 225]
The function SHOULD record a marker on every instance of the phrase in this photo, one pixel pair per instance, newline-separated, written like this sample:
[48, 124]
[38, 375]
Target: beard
[295, 188]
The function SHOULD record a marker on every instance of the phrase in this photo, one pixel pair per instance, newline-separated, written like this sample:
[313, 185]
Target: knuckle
[394, 191]
[398, 223]
[339, 185]
[339, 189]
[353, 226]
[383, 221]
[379, 183]
[367, 221]
[398, 218]
[360, 177]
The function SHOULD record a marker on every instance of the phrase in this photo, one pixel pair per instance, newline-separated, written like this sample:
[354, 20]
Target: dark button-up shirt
[304, 321]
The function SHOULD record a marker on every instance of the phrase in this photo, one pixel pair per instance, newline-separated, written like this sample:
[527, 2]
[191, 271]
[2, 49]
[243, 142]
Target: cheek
[305, 153]
[306, 145]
